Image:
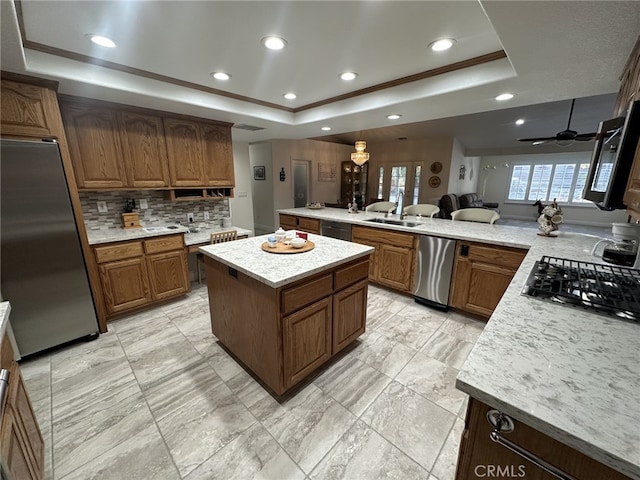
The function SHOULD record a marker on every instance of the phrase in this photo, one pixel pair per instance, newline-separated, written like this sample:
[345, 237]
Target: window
[416, 184]
[380, 182]
[558, 179]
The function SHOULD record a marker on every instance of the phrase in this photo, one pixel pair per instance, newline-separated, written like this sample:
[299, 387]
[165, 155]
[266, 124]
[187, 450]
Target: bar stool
[217, 237]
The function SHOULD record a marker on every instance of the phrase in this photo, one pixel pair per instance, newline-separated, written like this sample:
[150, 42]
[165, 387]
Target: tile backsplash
[160, 211]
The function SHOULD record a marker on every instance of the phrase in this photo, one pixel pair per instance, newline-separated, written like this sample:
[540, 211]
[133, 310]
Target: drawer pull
[502, 423]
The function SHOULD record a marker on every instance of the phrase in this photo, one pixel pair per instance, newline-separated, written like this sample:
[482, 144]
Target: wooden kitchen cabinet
[21, 442]
[94, 144]
[144, 149]
[283, 334]
[629, 82]
[393, 263]
[306, 340]
[349, 315]
[478, 453]
[218, 155]
[138, 273]
[304, 224]
[26, 110]
[125, 285]
[200, 153]
[481, 275]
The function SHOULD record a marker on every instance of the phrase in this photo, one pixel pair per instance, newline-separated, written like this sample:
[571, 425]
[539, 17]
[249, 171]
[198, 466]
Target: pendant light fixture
[360, 157]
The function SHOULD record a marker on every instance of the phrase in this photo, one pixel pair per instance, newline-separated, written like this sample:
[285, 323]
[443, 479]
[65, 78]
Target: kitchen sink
[389, 221]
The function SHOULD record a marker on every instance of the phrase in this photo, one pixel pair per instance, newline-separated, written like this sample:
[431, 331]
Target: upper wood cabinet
[199, 153]
[94, 144]
[629, 82]
[144, 149]
[117, 146]
[218, 155]
[185, 150]
[26, 110]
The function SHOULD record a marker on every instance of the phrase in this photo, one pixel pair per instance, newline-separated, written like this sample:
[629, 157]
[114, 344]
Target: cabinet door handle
[4, 385]
[502, 422]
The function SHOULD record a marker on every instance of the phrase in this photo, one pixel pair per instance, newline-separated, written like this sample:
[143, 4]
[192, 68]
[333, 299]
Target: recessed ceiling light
[504, 96]
[326, 129]
[520, 121]
[442, 44]
[274, 43]
[221, 76]
[348, 75]
[290, 96]
[394, 116]
[101, 40]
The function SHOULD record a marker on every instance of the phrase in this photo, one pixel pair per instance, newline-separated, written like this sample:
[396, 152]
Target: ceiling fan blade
[585, 137]
[538, 139]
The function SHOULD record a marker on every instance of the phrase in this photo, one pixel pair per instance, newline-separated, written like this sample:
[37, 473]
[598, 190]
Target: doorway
[300, 182]
[400, 182]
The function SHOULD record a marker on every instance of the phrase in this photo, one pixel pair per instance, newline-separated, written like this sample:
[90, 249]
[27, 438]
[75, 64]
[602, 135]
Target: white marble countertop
[5, 309]
[572, 374]
[97, 237]
[277, 270]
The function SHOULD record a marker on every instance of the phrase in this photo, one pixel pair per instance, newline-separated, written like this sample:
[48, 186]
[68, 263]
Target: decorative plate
[434, 182]
[436, 167]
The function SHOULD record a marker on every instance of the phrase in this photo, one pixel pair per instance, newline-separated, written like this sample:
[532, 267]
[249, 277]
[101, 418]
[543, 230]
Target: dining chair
[424, 209]
[216, 237]
[475, 215]
[387, 207]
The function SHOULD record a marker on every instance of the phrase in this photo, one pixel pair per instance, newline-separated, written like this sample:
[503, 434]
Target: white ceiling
[555, 51]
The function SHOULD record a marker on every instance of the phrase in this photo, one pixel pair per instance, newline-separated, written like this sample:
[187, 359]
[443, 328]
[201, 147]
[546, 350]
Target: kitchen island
[568, 373]
[284, 315]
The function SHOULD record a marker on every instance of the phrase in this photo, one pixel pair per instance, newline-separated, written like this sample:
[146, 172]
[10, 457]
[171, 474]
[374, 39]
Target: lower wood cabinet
[393, 263]
[21, 443]
[293, 222]
[480, 458]
[481, 275]
[283, 334]
[306, 340]
[141, 272]
[125, 284]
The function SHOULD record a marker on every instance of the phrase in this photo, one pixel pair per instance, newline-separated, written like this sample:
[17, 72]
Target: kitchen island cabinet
[285, 315]
[294, 222]
[479, 456]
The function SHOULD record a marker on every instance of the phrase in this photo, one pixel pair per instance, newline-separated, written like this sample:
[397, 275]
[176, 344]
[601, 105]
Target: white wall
[469, 183]
[262, 190]
[241, 205]
[498, 184]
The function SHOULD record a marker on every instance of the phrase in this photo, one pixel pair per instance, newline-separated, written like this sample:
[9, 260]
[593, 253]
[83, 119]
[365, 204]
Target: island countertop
[277, 270]
[568, 372]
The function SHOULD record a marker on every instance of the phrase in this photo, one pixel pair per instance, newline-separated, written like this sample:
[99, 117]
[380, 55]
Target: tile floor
[157, 398]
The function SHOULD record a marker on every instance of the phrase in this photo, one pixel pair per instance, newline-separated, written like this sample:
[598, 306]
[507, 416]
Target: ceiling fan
[563, 138]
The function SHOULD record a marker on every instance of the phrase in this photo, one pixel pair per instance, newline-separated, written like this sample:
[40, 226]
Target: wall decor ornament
[436, 167]
[327, 172]
[434, 182]
[259, 173]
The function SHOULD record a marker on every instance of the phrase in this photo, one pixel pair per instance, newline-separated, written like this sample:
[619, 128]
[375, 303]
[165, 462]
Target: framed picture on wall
[258, 173]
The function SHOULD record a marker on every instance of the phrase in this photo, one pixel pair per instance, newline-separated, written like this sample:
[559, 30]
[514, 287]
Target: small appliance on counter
[623, 250]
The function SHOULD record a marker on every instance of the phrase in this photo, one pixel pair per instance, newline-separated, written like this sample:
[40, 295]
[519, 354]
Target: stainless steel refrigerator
[42, 269]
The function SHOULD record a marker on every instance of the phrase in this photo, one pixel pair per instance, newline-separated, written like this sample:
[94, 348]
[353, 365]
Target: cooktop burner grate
[607, 289]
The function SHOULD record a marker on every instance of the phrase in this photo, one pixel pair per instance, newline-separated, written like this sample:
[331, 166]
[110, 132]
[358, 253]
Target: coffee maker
[623, 250]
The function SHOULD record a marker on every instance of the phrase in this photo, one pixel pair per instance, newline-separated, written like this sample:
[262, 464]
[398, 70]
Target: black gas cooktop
[606, 289]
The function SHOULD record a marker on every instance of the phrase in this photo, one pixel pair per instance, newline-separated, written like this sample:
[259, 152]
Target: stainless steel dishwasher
[338, 230]
[433, 271]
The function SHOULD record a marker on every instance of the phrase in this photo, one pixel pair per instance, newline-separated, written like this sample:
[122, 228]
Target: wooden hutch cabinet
[353, 184]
